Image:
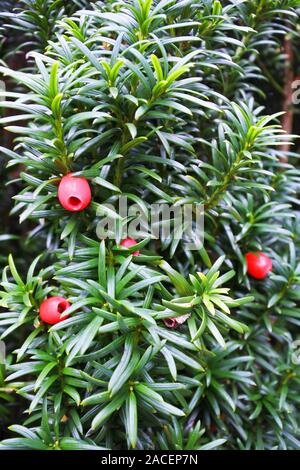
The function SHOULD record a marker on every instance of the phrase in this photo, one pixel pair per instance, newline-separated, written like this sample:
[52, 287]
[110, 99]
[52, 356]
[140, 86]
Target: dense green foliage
[161, 101]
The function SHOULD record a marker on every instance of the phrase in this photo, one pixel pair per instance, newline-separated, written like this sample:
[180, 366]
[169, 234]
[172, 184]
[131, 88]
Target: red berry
[128, 243]
[74, 193]
[51, 310]
[258, 265]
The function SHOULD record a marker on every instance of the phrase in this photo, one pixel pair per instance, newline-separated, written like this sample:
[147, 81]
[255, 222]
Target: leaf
[108, 410]
[170, 361]
[133, 143]
[40, 200]
[132, 419]
[125, 359]
[96, 141]
[72, 392]
[23, 431]
[53, 82]
[106, 184]
[165, 407]
[69, 227]
[14, 271]
[82, 341]
[125, 375]
[70, 443]
[180, 283]
[43, 389]
[215, 332]
[23, 443]
[185, 359]
[274, 414]
[131, 291]
[213, 444]
[96, 399]
[87, 53]
[202, 327]
[102, 264]
[44, 374]
[27, 342]
[132, 129]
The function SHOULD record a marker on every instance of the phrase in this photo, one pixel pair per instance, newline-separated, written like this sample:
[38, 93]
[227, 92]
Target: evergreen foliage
[162, 101]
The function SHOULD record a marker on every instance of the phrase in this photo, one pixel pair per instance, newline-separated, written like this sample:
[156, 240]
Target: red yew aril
[74, 193]
[52, 309]
[258, 265]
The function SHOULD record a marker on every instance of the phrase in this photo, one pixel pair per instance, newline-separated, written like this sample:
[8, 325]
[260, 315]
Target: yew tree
[152, 345]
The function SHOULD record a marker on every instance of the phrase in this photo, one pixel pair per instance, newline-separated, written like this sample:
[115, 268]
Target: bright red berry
[74, 193]
[128, 243]
[258, 265]
[52, 309]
